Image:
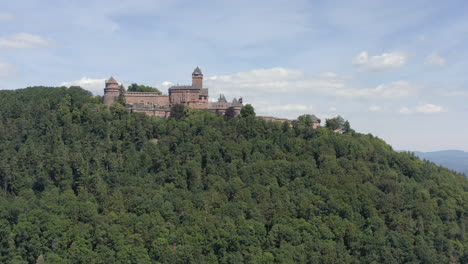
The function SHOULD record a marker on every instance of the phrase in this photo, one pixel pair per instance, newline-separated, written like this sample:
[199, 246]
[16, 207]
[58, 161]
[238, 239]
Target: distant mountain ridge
[456, 160]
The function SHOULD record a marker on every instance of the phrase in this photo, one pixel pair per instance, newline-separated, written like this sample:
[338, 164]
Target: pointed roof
[236, 103]
[222, 99]
[112, 80]
[197, 71]
[315, 119]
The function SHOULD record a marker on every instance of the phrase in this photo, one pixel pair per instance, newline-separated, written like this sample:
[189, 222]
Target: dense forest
[81, 182]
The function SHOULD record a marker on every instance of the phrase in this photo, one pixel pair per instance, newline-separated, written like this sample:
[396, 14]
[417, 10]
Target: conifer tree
[121, 99]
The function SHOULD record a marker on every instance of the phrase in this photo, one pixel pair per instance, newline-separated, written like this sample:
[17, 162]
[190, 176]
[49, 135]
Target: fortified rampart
[194, 96]
[150, 103]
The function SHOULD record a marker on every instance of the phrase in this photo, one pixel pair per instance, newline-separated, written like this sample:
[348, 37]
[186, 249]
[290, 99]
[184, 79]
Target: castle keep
[194, 96]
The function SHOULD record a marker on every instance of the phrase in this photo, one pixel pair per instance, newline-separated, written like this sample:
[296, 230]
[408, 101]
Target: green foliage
[81, 182]
[305, 120]
[121, 100]
[230, 113]
[338, 123]
[335, 123]
[178, 111]
[142, 88]
[247, 111]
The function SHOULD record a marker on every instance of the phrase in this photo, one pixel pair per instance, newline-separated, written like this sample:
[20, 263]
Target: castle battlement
[194, 96]
[150, 103]
[143, 94]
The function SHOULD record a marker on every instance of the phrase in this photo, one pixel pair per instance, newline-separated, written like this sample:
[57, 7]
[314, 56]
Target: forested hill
[85, 183]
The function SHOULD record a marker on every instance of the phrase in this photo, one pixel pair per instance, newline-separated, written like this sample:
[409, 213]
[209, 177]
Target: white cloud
[282, 110]
[7, 70]
[4, 16]
[395, 89]
[257, 81]
[164, 86]
[287, 107]
[328, 75]
[405, 110]
[24, 41]
[435, 59]
[96, 86]
[285, 81]
[375, 108]
[167, 84]
[382, 62]
[262, 75]
[423, 109]
[430, 108]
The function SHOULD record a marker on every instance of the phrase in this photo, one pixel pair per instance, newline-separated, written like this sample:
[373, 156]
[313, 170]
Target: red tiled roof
[197, 71]
[112, 80]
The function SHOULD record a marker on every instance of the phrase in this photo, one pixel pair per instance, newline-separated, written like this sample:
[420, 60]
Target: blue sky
[396, 69]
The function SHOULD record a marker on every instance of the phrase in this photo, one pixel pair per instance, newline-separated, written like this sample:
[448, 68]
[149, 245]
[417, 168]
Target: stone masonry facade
[194, 96]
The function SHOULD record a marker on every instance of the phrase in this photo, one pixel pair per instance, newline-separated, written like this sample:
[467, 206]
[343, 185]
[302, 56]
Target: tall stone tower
[197, 78]
[112, 91]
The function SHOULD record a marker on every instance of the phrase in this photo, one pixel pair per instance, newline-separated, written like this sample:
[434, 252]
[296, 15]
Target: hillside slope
[84, 183]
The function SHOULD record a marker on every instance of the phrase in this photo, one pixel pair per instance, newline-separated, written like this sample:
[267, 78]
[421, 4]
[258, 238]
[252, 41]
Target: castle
[194, 96]
[155, 104]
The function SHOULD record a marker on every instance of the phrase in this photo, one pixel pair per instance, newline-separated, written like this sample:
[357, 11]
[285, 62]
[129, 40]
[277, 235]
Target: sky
[395, 69]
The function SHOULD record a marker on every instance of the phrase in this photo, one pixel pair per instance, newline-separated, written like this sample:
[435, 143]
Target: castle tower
[197, 78]
[112, 91]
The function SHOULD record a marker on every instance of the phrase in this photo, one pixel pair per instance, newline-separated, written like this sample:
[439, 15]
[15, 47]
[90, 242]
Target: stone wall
[185, 97]
[282, 120]
[111, 96]
[154, 99]
[197, 81]
[153, 112]
[274, 119]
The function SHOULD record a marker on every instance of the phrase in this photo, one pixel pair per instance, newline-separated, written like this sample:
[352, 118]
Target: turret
[197, 78]
[112, 91]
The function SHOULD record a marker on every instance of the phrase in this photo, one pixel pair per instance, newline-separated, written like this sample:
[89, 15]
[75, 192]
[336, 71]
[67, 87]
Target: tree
[142, 88]
[247, 111]
[347, 127]
[305, 120]
[230, 113]
[114, 186]
[338, 123]
[335, 123]
[121, 99]
[178, 111]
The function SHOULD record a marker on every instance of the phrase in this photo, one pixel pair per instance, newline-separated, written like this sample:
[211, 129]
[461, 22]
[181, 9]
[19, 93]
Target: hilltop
[83, 182]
